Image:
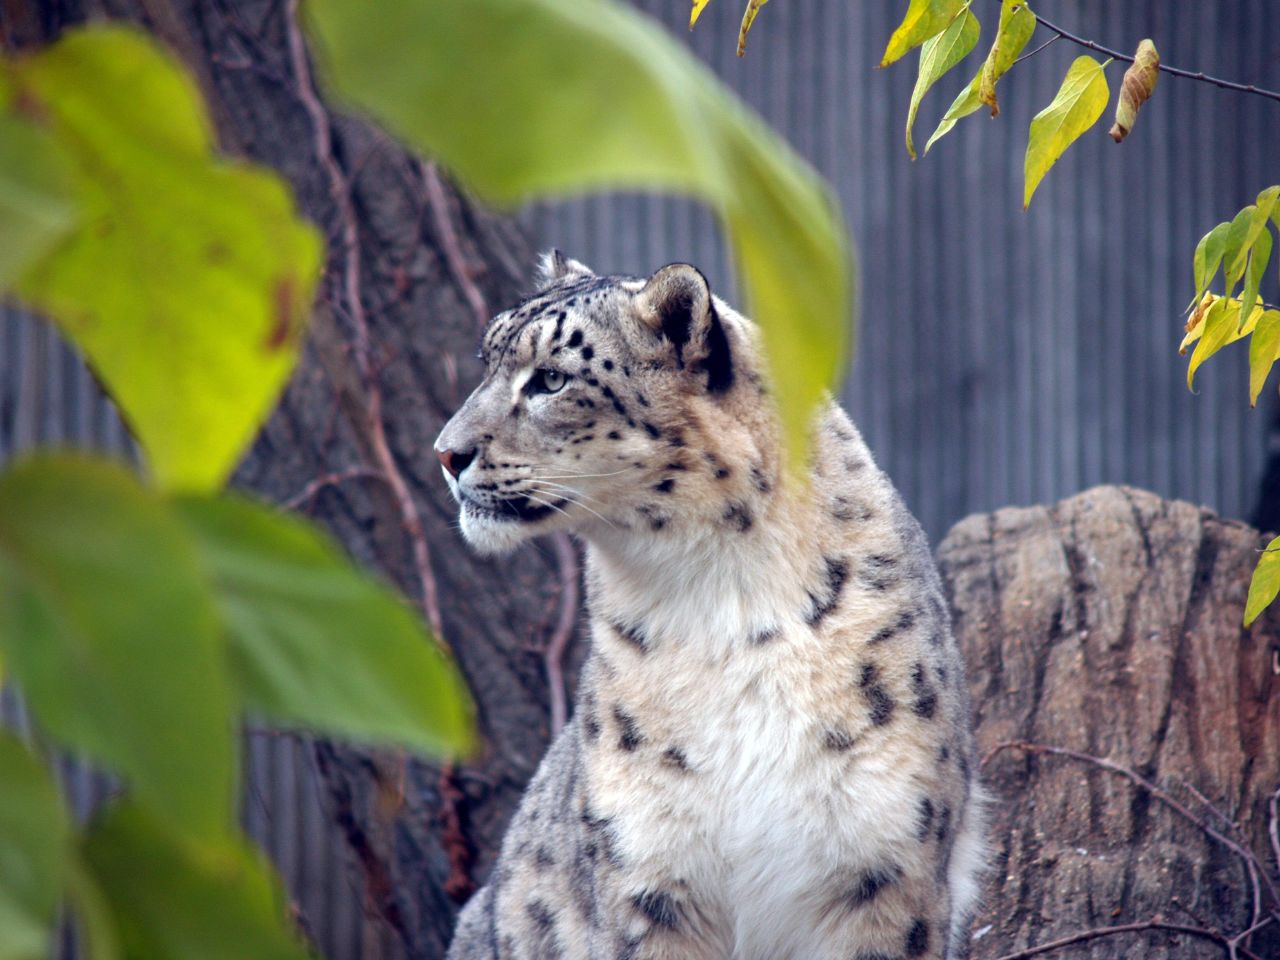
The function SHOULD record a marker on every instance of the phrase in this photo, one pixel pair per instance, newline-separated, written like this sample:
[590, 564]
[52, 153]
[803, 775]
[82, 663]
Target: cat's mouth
[517, 509]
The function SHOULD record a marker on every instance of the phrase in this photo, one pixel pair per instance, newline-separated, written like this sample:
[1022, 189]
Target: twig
[308, 492]
[1048, 43]
[458, 885]
[439, 204]
[340, 193]
[1273, 825]
[1165, 68]
[1097, 932]
[1254, 868]
[1236, 943]
[553, 656]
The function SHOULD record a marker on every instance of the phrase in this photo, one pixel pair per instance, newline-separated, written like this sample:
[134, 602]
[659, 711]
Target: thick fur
[770, 756]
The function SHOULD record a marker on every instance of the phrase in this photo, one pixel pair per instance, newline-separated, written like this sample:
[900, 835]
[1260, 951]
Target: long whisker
[561, 486]
[568, 494]
[545, 503]
[583, 476]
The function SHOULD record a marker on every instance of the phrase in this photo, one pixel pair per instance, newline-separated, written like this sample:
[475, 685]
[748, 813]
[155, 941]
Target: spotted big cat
[770, 755]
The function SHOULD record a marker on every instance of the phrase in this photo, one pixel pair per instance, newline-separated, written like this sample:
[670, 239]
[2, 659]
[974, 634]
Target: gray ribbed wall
[1003, 357]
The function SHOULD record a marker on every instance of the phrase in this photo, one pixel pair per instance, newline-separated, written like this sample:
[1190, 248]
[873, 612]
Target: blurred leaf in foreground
[317, 644]
[189, 277]
[178, 900]
[468, 81]
[34, 850]
[107, 624]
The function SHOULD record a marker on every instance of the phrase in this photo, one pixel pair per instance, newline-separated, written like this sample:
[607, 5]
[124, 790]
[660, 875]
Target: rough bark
[431, 264]
[1109, 624]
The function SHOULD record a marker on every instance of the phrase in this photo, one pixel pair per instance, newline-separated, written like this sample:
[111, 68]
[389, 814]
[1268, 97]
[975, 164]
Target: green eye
[548, 381]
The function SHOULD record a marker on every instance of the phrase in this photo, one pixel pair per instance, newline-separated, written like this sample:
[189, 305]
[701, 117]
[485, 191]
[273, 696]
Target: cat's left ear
[676, 304]
[554, 266]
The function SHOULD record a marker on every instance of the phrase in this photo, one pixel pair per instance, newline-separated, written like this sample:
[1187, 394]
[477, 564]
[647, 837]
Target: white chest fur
[714, 764]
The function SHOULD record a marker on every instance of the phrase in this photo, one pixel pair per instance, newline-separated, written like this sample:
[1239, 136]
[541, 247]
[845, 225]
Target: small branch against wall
[1164, 68]
[1265, 909]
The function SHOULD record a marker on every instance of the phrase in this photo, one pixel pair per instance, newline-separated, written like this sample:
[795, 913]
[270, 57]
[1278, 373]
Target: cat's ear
[676, 304]
[554, 266]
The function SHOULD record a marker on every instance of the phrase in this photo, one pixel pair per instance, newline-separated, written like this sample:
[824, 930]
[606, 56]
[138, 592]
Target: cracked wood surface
[1109, 624]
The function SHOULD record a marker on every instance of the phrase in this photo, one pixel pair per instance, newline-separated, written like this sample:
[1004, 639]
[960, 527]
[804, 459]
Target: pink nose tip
[455, 461]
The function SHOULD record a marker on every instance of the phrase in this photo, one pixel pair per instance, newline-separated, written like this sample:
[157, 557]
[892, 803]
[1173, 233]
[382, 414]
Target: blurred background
[1003, 357]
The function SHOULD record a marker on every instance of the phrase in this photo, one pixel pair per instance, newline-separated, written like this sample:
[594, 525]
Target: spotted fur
[770, 756]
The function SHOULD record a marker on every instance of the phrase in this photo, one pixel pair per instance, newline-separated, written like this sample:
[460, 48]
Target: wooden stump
[1110, 625]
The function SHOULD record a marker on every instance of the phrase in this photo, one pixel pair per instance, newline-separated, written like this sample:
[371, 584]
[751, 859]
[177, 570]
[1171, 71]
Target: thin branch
[1247, 856]
[307, 493]
[1273, 825]
[1048, 43]
[1165, 68]
[553, 656]
[439, 204]
[1097, 932]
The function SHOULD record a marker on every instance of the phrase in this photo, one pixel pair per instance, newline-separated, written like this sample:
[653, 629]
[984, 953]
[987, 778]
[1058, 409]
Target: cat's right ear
[554, 266]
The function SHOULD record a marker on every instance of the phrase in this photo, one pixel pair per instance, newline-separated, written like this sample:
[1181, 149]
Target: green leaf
[1219, 330]
[189, 279]
[1236, 248]
[315, 643]
[964, 105]
[36, 205]
[1077, 106]
[938, 55]
[468, 81]
[1265, 206]
[1259, 258]
[174, 899]
[923, 19]
[99, 939]
[1017, 24]
[106, 622]
[1265, 583]
[1208, 257]
[34, 850]
[1264, 347]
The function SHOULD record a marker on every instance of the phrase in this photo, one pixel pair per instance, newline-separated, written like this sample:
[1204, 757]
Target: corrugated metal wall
[1003, 357]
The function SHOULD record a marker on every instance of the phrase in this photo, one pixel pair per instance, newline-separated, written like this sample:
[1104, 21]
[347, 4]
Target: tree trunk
[1109, 625]
[351, 442]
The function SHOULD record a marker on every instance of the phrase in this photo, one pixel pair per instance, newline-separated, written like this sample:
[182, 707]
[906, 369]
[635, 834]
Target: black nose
[455, 461]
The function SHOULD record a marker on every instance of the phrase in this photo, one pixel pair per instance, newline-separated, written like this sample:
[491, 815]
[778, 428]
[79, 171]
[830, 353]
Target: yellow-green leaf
[189, 279]
[1239, 244]
[35, 847]
[468, 81]
[107, 623]
[1264, 347]
[965, 104]
[1017, 24]
[1265, 583]
[748, 18]
[938, 55]
[1259, 257]
[923, 19]
[1077, 106]
[1236, 248]
[1208, 257]
[37, 207]
[696, 12]
[1219, 330]
[1196, 325]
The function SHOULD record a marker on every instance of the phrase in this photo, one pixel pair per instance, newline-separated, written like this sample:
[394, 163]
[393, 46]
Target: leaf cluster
[143, 620]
